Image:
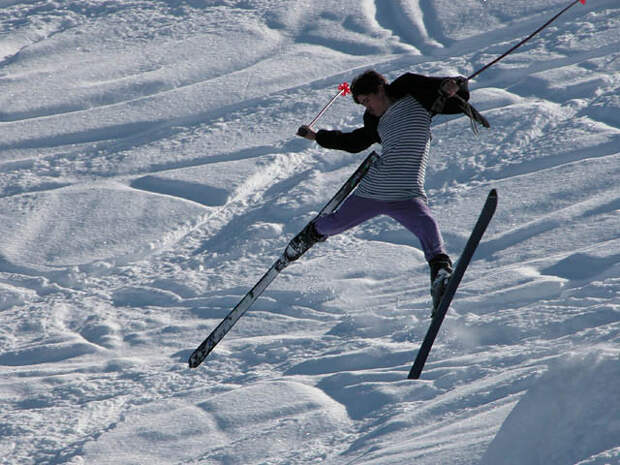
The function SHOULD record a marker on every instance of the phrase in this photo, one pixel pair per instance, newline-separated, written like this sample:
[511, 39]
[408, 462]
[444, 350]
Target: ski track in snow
[150, 176]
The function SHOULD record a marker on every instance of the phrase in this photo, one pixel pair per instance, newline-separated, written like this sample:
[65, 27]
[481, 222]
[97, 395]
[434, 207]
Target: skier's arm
[426, 89]
[354, 141]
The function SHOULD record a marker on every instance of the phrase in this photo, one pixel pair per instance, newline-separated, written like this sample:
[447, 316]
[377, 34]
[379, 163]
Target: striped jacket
[404, 132]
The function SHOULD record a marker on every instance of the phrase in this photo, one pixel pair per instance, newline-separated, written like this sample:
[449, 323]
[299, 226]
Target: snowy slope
[150, 174]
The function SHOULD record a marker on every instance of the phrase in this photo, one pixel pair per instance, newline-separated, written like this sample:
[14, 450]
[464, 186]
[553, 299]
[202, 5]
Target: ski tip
[491, 201]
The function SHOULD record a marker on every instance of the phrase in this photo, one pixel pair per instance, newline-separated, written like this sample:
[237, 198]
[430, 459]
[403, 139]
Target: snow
[546, 426]
[151, 175]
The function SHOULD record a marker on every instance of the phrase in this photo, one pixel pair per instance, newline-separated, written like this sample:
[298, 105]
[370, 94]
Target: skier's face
[376, 103]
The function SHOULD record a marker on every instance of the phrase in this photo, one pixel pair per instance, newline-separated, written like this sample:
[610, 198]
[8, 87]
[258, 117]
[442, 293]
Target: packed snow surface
[150, 175]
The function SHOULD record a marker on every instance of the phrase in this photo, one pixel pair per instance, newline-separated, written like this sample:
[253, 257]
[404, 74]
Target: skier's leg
[353, 211]
[416, 216]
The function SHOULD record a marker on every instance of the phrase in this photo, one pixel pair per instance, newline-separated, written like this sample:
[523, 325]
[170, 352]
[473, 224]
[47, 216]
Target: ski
[483, 221]
[295, 249]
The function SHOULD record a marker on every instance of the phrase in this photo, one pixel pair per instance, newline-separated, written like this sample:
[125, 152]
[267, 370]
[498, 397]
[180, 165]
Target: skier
[398, 116]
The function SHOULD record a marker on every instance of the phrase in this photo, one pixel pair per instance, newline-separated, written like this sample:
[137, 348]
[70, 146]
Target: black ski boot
[441, 270]
[303, 241]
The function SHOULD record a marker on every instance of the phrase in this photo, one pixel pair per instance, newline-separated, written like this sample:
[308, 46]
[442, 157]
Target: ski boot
[441, 270]
[303, 241]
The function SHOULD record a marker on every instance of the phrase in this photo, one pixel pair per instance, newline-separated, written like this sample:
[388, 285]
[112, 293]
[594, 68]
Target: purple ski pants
[413, 214]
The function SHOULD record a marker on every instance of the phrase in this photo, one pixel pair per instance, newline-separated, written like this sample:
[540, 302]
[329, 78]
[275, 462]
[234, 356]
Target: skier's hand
[306, 132]
[449, 87]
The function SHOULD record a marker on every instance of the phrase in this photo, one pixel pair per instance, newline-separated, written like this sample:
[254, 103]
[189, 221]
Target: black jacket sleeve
[425, 90]
[354, 141]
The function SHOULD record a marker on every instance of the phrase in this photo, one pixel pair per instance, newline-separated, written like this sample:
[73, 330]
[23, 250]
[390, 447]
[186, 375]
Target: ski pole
[343, 89]
[583, 2]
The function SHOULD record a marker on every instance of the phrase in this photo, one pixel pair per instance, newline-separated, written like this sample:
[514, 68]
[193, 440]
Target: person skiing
[398, 116]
